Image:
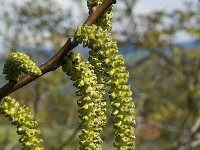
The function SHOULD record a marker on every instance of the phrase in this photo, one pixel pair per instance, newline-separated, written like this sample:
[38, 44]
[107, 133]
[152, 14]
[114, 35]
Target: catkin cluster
[104, 68]
[92, 104]
[18, 62]
[105, 20]
[23, 119]
[104, 56]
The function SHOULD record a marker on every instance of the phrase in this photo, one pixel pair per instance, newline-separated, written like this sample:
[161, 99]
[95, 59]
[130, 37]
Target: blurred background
[160, 42]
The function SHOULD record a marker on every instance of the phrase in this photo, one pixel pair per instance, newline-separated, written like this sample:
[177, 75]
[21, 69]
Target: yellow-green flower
[92, 104]
[23, 119]
[17, 63]
[103, 56]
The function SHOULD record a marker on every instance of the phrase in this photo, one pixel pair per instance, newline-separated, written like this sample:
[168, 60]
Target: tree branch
[54, 62]
[187, 142]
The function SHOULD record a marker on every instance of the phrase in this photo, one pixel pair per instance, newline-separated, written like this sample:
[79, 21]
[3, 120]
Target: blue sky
[142, 7]
[146, 6]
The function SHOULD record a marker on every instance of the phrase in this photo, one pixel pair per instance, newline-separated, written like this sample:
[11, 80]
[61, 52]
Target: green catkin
[21, 117]
[18, 62]
[105, 20]
[104, 54]
[92, 104]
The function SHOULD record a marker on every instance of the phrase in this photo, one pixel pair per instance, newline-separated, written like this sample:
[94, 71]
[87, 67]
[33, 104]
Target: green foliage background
[164, 76]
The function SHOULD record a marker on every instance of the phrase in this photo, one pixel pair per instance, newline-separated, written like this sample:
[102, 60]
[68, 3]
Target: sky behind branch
[142, 7]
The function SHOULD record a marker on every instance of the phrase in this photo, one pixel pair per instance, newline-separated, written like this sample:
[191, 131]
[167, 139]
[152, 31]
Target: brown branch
[55, 62]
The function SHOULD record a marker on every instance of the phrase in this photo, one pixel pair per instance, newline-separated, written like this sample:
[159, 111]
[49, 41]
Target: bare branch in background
[187, 142]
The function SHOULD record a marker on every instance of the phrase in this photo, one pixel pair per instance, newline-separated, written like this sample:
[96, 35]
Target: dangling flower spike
[92, 104]
[17, 63]
[21, 117]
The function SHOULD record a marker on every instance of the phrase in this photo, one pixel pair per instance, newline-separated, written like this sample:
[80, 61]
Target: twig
[55, 62]
[71, 137]
[187, 143]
